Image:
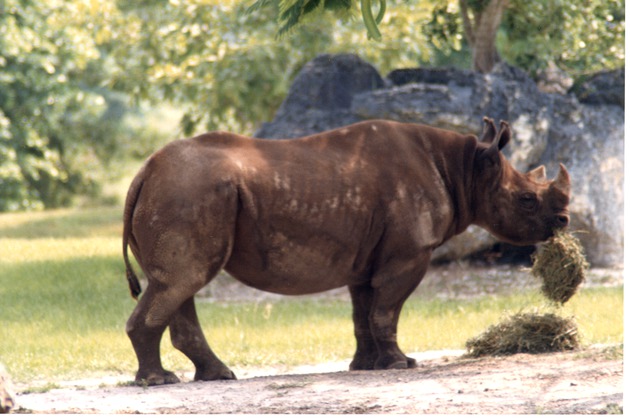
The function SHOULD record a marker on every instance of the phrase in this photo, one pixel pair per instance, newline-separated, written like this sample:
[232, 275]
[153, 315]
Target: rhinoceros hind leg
[145, 338]
[146, 325]
[187, 336]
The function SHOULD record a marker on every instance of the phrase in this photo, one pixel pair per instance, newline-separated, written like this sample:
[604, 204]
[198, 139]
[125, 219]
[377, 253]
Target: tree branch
[469, 33]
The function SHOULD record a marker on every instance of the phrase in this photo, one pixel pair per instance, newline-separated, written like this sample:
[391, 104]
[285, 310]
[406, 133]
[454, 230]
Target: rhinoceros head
[520, 208]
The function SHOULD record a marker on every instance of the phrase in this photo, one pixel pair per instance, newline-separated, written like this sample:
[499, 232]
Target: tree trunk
[480, 30]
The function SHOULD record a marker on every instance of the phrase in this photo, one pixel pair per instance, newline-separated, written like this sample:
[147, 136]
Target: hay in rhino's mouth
[561, 265]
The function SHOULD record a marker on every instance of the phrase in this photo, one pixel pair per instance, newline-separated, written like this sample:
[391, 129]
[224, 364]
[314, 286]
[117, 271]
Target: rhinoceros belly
[293, 261]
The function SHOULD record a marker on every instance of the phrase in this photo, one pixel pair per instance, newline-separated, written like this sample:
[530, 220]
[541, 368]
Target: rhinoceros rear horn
[563, 180]
[538, 175]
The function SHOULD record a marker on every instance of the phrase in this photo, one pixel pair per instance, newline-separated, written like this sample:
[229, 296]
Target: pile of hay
[561, 264]
[526, 333]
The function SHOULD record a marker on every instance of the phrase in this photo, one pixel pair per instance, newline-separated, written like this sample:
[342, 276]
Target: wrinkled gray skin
[361, 206]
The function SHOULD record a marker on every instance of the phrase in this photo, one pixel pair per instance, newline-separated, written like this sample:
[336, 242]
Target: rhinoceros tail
[130, 205]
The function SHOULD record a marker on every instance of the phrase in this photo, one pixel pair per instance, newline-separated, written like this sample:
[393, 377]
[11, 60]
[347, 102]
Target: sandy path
[589, 381]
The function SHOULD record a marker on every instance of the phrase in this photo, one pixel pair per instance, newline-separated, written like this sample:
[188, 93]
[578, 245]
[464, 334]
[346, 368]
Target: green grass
[104, 222]
[64, 303]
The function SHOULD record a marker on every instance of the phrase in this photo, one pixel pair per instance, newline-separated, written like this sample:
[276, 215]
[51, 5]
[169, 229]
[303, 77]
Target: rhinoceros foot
[383, 363]
[389, 362]
[214, 375]
[156, 378]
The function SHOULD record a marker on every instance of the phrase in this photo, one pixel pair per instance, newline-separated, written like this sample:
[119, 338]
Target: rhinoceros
[361, 206]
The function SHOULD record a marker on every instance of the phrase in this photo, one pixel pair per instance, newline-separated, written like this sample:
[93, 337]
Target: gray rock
[589, 140]
[434, 76]
[603, 88]
[459, 99]
[332, 91]
[553, 80]
[321, 96]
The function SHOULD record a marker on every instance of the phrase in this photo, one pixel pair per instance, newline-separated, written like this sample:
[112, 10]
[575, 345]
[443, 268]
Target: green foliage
[477, 5]
[210, 57]
[39, 58]
[579, 37]
[228, 68]
[59, 127]
[445, 28]
[293, 12]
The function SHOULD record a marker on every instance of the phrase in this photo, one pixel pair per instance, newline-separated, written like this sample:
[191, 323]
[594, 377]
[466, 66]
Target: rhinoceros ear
[498, 143]
[504, 136]
[538, 175]
[489, 130]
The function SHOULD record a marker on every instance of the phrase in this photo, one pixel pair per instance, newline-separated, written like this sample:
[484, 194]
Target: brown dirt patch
[585, 382]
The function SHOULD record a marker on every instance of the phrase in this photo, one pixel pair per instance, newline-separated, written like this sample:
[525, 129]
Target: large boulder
[589, 140]
[603, 88]
[321, 96]
[459, 99]
[333, 91]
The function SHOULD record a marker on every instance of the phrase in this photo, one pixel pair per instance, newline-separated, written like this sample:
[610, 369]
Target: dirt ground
[585, 382]
[589, 381]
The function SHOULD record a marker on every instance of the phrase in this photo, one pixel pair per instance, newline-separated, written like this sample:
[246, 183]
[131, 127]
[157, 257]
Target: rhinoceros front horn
[563, 180]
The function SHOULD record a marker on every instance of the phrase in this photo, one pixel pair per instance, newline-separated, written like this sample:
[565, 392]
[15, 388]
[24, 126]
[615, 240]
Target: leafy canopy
[45, 113]
[223, 62]
[73, 73]
[579, 37]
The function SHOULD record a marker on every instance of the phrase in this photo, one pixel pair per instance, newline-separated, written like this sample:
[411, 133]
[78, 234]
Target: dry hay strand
[526, 333]
[561, 264]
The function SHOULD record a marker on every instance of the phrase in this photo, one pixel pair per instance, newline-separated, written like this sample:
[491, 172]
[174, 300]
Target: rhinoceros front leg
[187, 336]
[384, 324]
[367, 352]
[376, 310]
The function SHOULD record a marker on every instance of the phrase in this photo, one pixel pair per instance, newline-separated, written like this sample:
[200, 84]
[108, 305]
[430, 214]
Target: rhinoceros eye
[528, 200]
